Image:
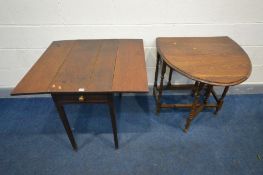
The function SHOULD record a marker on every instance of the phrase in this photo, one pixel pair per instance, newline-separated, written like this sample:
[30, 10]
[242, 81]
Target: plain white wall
[27, 27]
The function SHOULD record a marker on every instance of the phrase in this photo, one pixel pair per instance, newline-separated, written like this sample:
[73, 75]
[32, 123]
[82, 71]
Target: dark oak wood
[38, 79]
[194, 106]
[114, 65]
[61, 99]
[130, 74]
[113, 120]
[209, 61]
[212, 60]
[87, 71]
[64, 119]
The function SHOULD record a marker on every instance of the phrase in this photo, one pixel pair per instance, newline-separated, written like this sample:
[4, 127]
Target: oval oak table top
[212, 60]
[92, 66]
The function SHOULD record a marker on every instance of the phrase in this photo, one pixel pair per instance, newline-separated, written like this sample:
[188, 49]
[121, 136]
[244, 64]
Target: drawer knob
[81, 98]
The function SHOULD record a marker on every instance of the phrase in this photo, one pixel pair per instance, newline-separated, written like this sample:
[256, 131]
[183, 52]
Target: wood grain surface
[212, 60]
[113, 65]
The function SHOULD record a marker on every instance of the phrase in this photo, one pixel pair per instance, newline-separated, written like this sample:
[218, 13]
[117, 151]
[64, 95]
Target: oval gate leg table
[87, 71]
[209, 61]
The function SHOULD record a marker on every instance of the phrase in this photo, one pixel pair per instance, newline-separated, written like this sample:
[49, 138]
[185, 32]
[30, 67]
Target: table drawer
[81, 98]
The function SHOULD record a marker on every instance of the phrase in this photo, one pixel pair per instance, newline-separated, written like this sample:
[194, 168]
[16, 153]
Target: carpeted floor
[33, 140]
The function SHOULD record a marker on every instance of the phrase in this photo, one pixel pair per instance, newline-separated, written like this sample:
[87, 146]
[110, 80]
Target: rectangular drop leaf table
[87, 71]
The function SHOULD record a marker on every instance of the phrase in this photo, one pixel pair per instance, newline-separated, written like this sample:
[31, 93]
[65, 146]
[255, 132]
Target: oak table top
[211, 60]
[70, 66]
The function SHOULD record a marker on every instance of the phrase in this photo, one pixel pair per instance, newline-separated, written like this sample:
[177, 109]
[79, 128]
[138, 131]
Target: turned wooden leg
[194, 88]
[170, 77]
[207, 93]
[158, 106]
[194, 107]
[221, 100]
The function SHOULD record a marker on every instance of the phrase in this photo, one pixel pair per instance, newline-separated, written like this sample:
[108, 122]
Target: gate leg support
[194, 106]
[160, 89]
[221, 100]
[170, 77]
[207, 93]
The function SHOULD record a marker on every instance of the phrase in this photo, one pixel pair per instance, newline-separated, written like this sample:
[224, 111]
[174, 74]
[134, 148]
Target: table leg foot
[219, 106]
[188, 122]
[185, 130]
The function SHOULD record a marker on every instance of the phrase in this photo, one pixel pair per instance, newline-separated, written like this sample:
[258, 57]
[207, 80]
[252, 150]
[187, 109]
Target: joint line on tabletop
[95, 62]
[74, 44]
[117, 54]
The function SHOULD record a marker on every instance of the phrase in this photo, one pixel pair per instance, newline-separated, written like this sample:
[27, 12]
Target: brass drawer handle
[81, 98]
